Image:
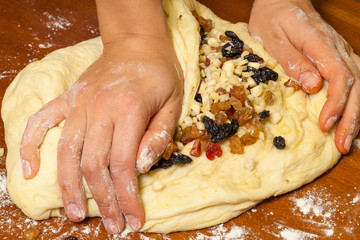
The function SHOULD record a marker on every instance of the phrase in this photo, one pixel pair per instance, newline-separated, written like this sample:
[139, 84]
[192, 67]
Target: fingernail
[330, 123]
[133, 222]
[146, 160]
[74, 212]
[309, 80]
[348, 142]
[26, 168]
[111, 226]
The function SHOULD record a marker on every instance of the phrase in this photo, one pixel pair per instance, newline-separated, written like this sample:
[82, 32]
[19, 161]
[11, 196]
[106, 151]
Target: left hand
[311, 50]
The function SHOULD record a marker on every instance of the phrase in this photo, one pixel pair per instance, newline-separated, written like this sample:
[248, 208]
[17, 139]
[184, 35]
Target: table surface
[328, 208]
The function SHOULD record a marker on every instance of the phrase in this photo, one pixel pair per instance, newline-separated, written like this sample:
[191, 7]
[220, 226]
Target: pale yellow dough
[197, 195]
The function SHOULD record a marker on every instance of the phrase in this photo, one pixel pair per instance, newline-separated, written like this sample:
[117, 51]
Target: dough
[196, 195]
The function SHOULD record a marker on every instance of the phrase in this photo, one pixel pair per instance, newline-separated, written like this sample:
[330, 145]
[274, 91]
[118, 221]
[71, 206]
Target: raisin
[264, 114]
[222, 131]
[212, 150]
[232, 49]
[247, 139]
[206, 23]
[293, 83]
[230, 113]
[236, 145]
[178, 158]
[279, 142]
[71, 238]
[169, 150]
[178, 133]
[210, 125]
[236, 46]
[233, 36]
[243, 115]
[202, 32]
[269, 97]
[163, 163]
[196, 149]
[262, 75]
[185, 134]
[221, 118]
[225, 130]
[224, 38]
[239, 93]
[220, 106]
[235, 103]
[195, 132]
[253, 58]
[252, 129]
[198, 98]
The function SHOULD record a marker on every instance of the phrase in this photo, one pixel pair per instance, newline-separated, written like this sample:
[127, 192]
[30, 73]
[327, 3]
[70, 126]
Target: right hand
[120, 114]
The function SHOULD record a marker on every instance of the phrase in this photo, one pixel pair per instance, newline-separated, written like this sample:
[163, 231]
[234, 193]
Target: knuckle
[67, 187]
[102, 97]
[91, 166]
[131, 101]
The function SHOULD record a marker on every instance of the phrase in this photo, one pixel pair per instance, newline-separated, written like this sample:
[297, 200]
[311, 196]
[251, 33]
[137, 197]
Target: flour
[46, 45]
[56, 22]
[294, 234]
[8, 74]
[221, 232]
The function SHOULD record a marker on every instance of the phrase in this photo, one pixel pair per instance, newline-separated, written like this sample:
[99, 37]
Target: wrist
[118, 18]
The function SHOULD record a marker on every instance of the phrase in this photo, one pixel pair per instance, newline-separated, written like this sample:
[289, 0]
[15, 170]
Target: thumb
[295, 64]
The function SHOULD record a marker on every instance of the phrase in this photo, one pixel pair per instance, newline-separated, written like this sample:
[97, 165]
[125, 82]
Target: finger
[94, 165]
[157, 137]
[335, 71]
[296, 65]
[127, 135]
[39, 123]
[69, 173]
[349, 125]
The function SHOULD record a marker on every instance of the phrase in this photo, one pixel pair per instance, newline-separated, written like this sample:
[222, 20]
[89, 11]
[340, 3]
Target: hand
[120, 114]
[309, 50]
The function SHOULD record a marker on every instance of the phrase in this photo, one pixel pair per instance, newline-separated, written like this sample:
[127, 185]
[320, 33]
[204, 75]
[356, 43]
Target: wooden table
[328, 208]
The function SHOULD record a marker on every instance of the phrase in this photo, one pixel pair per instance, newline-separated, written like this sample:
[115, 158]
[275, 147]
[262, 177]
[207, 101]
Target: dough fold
[193, 196]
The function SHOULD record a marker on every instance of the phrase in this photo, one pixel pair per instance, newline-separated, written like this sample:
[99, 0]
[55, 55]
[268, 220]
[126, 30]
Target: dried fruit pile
[231, 73]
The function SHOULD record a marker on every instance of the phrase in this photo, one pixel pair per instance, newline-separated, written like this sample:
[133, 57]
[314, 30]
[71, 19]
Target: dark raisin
[210, 125]
[264, 114]
[202, 31]
[163, 163]
[233, 36]
[236, 46]
[225, 130]
[198, 98]
[178, 158]
[262, 75]
[269, 74]
[71, 238]
[279, 142]
[235, 50]
[253, 58]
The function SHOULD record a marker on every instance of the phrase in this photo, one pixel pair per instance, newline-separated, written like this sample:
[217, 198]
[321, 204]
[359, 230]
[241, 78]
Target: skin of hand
[310, 50]
[120, 116]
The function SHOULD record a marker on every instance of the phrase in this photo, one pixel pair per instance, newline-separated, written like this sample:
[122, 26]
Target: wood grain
[30, 29]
